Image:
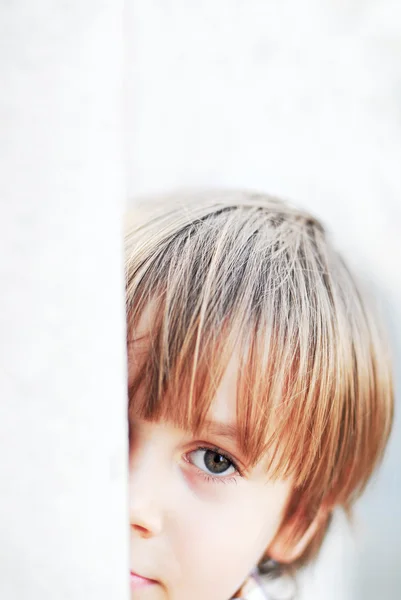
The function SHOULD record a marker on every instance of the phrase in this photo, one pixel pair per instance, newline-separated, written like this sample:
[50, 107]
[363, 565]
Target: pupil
[216, 463]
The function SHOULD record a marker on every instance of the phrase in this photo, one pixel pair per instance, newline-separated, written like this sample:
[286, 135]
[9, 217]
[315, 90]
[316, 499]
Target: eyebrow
[228, 430]
[140, 338]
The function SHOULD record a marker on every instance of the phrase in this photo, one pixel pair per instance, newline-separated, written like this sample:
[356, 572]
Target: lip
[138, 581]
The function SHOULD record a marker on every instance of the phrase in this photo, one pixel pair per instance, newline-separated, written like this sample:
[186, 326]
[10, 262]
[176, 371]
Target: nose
[146, 476]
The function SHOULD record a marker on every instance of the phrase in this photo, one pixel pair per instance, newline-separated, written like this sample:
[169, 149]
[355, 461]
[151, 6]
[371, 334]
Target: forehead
[227, 386]
[139, 339]
[223, 407]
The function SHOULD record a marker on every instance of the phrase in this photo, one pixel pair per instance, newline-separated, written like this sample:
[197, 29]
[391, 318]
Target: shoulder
[255, 594]
[253, 590]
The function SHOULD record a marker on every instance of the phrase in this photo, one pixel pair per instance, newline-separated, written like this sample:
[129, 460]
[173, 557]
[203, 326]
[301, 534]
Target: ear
[292, 538]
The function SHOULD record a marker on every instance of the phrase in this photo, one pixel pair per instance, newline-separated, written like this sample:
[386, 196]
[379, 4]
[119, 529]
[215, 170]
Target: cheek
[220, 536]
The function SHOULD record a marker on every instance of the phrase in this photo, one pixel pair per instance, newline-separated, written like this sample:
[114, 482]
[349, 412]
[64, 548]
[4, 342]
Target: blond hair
[229, 269]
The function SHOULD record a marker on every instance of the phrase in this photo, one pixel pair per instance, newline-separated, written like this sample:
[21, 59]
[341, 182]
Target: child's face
[197, 526]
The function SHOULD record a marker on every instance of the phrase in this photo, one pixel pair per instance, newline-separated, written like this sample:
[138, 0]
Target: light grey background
[301, 99]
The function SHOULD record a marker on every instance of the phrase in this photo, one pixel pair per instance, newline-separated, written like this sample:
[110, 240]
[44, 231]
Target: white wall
[299, 99]
[63, 433]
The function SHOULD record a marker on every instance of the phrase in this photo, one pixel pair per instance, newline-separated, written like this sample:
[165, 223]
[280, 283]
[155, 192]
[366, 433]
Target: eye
[212, 462]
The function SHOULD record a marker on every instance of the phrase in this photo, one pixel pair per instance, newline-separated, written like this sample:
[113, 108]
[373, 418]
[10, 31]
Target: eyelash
[214, 478]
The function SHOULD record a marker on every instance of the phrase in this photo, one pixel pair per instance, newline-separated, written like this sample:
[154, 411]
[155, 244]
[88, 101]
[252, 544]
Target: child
[260, 393]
